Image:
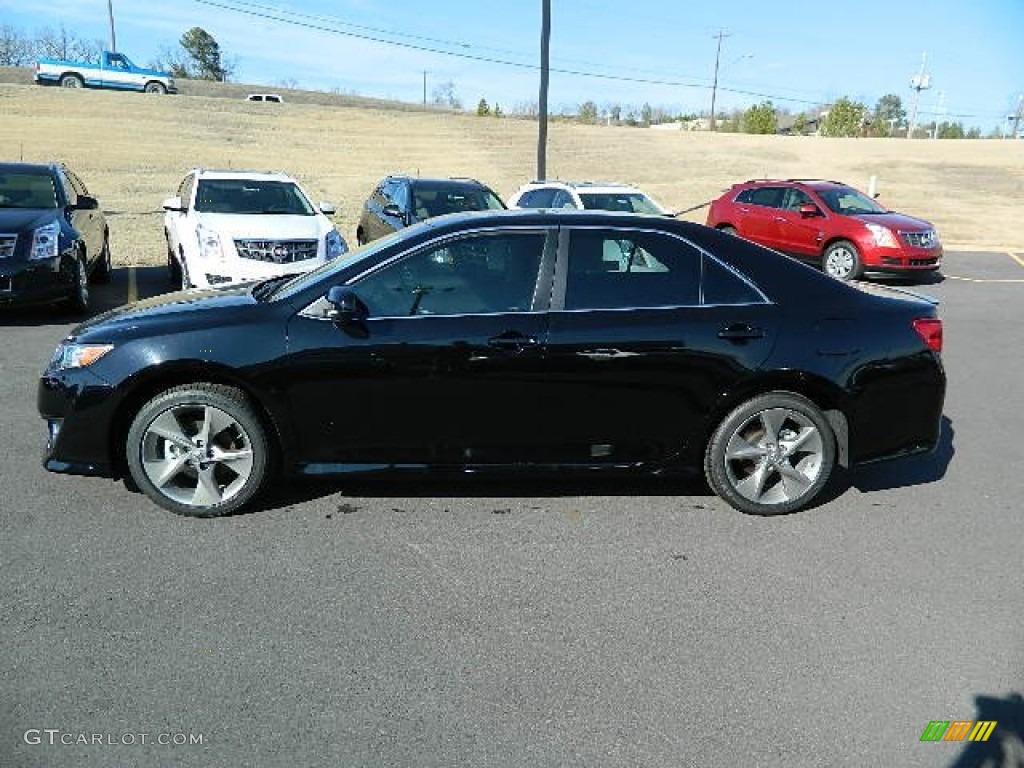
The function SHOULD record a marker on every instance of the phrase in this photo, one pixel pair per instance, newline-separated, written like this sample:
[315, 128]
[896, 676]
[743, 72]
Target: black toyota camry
[516, 340]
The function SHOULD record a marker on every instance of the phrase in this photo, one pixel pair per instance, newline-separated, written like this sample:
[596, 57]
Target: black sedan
[53, 236]
[523, 340]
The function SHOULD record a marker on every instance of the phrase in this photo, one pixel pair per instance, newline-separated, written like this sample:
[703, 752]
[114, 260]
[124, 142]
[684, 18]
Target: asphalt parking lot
[386, 622]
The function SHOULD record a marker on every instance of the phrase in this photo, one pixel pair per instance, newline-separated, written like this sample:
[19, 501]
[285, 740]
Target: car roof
[455, 181]
[582, 186]
[811, 183]
[208, 173]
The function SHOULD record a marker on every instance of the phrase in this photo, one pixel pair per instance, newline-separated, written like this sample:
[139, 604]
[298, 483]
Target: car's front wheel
[771, 455]
[78, 299]
[842, 261]
[104, 266]
[199, 450]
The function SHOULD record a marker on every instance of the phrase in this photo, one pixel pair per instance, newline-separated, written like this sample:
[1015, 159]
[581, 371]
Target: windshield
[431, 200]
[630, 202]
[848, 201]
[249, 196]
[27, 190]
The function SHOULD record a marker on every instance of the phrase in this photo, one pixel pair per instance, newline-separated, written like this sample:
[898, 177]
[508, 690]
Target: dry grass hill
[132, 150]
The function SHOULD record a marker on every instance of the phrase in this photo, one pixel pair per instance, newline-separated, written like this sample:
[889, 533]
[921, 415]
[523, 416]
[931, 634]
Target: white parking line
[984, 279]
[1016, 258]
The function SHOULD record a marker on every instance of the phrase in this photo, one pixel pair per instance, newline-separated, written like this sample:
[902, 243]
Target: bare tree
[16, 50]
[61, 44]
[445, 96]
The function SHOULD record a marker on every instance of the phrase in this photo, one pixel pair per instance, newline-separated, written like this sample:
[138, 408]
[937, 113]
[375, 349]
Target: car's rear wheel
[198, 450]
[772, 455]
[842, 261]
[71, 81]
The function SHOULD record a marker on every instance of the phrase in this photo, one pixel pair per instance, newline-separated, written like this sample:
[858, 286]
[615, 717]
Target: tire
[102, 271]
[186, 281]
[78, 300]
[841, 260]
[198, 450]
[728, 230]
[155, 87]
[173, 267]
[772, 455]
[71, 81]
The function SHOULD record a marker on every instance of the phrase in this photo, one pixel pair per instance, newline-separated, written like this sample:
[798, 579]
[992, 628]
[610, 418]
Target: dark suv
[829, 223]
[53, 236]
[400, 201]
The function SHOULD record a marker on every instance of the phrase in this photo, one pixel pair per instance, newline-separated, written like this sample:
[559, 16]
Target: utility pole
[424, 87]
[110, 15]
[920, 82]
[542, 101]
[714, 84]
[1017, 117]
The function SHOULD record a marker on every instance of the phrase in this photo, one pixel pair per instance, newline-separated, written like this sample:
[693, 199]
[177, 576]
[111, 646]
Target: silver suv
[589, 195]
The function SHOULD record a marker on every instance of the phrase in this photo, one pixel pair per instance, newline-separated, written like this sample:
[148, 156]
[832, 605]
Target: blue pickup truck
[113, 70]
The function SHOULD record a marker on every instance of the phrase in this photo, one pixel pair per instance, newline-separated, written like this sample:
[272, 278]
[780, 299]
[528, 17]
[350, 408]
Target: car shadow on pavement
[913, 470]
[123, 286]
[1005, 746]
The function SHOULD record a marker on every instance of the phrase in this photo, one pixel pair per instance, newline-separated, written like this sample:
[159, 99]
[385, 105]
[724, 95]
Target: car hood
[14, 220]
[264, 227]
[893, 220]
[196, 308]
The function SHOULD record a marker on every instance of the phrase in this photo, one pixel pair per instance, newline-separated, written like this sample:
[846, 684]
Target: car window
[630, 202]
[720, 285]
[254, 197]
[563, 199]
[480, 274]
[769, 197]
[400, 196]
[849, 201]
[613, 270]
[794, 198]
[436, 199]
[27, 190]
[537, 198]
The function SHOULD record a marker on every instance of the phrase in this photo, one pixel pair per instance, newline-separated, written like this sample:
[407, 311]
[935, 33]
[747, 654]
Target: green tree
[800, 124]
[497, 110]
[483, 109]
[888, 116]
[205, 55]
[845, 118]
[951, 130]
[646, 114]
[761, 119]
[587, 113]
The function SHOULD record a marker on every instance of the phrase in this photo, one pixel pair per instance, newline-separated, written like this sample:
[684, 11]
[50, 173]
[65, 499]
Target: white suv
[589, 195]
[226, 227]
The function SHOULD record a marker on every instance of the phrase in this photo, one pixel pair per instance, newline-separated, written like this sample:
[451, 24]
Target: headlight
[45, 241]
[883, 235]
[209, 243]
[334, 245]
[78, 355]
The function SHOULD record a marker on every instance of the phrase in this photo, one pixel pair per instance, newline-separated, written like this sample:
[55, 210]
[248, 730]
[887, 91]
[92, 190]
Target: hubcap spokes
[197, 455]
[774, 457]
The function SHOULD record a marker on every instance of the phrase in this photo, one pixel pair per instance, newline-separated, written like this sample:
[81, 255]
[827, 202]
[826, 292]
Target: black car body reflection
[522, 339]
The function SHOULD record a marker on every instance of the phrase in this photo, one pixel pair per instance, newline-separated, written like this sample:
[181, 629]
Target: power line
[321, 24]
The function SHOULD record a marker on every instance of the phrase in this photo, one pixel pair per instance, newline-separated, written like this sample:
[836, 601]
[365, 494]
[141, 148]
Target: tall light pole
[920, 82]
[110, 15]
[542, 101]
[714, 84]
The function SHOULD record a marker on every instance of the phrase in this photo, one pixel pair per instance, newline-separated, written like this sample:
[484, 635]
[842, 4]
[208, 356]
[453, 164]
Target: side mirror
[808, 210]
[346, 308]
[393, 210]
[327, 208]
[173, 204]
[87, 203]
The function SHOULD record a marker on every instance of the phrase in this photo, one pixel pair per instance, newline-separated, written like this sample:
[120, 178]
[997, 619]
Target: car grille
[7, 244]
[925, 239]
[922, 262]
[277, 251]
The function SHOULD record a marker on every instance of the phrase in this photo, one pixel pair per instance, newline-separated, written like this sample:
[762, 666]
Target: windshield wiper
[265, 288]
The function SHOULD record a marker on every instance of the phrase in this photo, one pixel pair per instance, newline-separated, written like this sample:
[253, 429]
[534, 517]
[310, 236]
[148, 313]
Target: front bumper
[36, 281]
[903, 259]
[215, 273]
[79, 410]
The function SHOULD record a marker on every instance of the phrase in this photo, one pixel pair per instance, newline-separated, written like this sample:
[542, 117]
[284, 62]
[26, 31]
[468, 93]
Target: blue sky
[660, 52]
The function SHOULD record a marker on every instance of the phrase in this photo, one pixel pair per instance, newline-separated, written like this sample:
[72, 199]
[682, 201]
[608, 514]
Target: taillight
[930, 331]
